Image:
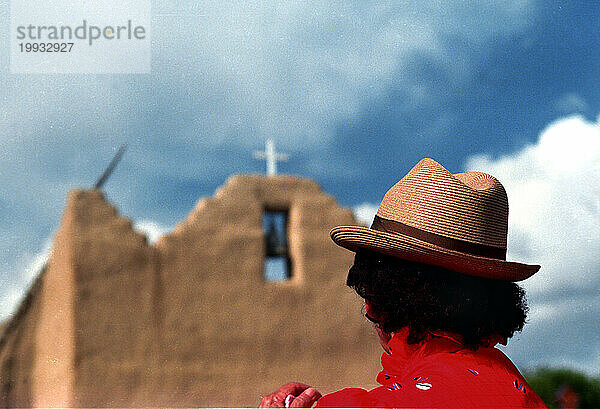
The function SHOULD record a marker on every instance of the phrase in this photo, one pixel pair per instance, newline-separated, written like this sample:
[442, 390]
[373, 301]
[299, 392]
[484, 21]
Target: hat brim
[408, 248]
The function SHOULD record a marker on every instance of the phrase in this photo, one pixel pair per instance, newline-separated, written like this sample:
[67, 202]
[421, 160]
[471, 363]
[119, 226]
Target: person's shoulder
[345, 398]
[465, 378]
[482, 378]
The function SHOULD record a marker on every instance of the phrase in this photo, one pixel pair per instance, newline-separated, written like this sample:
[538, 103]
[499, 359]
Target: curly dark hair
[429, 298]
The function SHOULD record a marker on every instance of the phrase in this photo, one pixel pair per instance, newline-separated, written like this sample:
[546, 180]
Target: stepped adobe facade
[189, 320]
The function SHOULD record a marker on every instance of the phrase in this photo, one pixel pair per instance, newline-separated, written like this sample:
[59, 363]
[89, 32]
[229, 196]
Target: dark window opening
[277, 257]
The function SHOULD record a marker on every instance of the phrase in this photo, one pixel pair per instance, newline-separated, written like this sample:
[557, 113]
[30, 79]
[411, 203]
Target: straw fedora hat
[459, 222]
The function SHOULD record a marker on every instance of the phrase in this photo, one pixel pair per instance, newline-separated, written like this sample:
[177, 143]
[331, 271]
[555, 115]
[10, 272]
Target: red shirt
[441, 373]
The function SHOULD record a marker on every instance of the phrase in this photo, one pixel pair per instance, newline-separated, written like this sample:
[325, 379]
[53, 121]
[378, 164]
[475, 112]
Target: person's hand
[297, 394]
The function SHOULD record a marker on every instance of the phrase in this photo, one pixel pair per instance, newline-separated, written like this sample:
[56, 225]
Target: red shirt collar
[404, 356]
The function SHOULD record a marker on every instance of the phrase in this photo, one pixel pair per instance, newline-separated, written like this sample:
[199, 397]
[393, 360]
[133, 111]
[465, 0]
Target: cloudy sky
[356, 92]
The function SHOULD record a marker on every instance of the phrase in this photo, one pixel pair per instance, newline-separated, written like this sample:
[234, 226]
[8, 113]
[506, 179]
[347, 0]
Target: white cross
[271, 157]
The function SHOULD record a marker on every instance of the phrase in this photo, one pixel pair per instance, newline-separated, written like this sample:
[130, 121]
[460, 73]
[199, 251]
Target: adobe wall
[117, 302]
[36, 343]
[190, 321]
[53, 371]
[17, 352]
[233, 337]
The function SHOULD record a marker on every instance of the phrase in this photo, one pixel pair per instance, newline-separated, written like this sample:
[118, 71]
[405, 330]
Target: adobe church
[246, 294]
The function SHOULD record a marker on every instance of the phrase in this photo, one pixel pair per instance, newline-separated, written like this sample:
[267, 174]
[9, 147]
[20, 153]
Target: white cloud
[554, 195]
[9, 301]
[151, 229]
[553, 188]
[562, 332]
[365, 212]
[30, 265]
[36, 262]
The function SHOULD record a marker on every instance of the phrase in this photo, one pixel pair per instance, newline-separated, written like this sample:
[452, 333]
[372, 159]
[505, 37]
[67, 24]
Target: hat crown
[471, 206]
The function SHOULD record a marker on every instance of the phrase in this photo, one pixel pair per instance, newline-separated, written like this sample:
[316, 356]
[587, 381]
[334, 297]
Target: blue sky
[356, 93]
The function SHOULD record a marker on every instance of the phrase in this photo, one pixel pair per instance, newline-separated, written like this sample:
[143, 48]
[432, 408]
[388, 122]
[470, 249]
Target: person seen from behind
[440, 294]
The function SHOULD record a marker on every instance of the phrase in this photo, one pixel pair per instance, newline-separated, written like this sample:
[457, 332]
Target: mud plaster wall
[189, 321]
[17, 350]
[36, 344]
